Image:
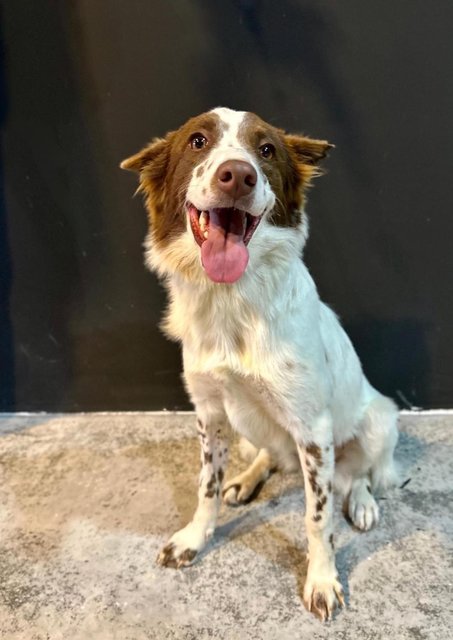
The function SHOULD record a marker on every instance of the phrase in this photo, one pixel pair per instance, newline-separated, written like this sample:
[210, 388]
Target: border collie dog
[262, 354]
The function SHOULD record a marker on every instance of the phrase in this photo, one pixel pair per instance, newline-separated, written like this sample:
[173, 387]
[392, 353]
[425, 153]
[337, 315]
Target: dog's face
[216, 180]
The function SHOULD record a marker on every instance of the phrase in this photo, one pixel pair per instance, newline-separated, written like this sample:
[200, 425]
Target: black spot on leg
[312, 476]
[331, 541]
[210, 487]
[329, 487]
[320, 504]
[201, 429]
[220, 475]
[207, 457]
[317, 517]
[315, 452]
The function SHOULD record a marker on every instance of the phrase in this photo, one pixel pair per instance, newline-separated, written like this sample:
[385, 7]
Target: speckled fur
[264, 355]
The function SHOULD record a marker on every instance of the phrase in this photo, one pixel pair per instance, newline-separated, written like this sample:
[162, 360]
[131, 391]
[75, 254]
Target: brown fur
[165, 167]
[292, 168]
[166, 164]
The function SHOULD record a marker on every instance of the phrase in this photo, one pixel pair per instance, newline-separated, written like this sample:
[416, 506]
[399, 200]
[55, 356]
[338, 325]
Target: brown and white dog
[262, 354]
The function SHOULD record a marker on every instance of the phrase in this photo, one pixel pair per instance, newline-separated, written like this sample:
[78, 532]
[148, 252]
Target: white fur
[297, 381]
[200, 192]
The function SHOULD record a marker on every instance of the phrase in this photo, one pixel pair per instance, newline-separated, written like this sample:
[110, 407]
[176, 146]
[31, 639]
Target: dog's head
[213, 183]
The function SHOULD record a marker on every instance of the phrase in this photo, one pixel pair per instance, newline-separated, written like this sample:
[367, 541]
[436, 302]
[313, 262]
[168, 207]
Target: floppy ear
[307, 150]
[306, 155]
[154, 156]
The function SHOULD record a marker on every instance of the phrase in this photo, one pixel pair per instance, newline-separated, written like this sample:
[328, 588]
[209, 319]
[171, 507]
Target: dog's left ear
[307, 154]
[307, 150]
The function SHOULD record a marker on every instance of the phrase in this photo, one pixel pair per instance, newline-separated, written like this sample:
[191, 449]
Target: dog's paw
[183, 547]
[362, 508]
[174, 557]
[240, 489]
[322, 597]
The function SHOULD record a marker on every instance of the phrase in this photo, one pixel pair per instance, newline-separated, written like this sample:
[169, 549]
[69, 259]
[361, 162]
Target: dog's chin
[223, 234]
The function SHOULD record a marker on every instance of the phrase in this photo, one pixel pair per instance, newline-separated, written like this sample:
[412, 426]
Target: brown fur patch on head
[199, 172]
[290, 171]
[165, 167]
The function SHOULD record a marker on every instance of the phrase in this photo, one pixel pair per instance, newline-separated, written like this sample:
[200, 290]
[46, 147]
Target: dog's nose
[236, 178]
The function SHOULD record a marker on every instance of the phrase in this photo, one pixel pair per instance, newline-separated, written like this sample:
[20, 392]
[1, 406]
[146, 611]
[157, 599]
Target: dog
[225, 195]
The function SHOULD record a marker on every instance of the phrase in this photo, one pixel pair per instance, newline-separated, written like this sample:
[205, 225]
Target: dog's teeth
[205, 234]
[203, 220]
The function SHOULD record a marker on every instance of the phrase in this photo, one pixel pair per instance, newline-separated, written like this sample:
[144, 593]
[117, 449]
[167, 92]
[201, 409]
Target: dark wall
[83, 84]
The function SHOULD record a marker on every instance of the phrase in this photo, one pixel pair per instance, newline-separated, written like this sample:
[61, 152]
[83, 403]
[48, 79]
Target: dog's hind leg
[241, 488]
[366, 464]
[264, 444]
[184, 545]
[262, 462]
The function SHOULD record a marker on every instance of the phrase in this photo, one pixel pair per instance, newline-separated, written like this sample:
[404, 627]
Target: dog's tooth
[203, 220]
[205, 234]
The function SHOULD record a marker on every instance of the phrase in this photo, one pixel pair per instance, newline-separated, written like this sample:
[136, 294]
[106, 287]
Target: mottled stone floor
[87, 500]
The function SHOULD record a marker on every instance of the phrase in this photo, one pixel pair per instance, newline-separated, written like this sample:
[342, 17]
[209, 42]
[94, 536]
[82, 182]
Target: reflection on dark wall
[84, 84]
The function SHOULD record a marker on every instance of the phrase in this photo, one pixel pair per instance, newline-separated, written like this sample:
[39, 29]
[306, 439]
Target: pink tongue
[224, 254]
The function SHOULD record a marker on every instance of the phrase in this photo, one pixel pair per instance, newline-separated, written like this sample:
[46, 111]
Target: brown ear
[155, 151]
[307, 150]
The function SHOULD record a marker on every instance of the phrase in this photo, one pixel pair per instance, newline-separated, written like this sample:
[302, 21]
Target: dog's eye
[198, 141]
[267, 151]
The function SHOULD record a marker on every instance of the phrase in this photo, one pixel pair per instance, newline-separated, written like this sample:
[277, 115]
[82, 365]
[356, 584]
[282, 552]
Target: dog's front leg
[322, 591]
[185, 544]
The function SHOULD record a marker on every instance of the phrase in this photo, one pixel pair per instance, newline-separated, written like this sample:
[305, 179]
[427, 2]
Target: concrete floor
[87, 500]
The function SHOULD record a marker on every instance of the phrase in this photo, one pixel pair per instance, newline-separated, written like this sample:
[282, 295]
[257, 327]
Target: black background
[84, 84]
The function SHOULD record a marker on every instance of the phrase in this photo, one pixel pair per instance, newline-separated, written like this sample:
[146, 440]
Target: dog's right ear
[153, 158]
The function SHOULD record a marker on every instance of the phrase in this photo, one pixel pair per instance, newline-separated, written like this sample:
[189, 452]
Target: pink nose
[236, 178]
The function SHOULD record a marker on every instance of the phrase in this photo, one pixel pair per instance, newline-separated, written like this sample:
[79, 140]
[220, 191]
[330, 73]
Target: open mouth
[223, 235]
